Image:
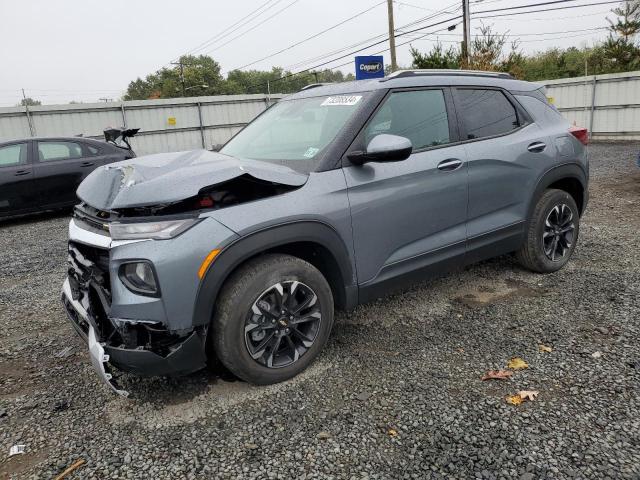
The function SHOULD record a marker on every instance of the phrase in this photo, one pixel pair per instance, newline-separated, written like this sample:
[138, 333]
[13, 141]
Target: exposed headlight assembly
[151, 230]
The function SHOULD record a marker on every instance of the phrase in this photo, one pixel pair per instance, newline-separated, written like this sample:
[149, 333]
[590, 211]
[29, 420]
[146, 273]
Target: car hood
[166, 178]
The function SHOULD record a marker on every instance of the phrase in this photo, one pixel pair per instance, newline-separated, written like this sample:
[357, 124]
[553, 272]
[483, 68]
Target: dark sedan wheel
[552, 233]
[273, 317]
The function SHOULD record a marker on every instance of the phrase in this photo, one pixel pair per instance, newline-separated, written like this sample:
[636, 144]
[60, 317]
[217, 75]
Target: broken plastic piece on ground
[17, 450]
[99, 360]
[65, 352]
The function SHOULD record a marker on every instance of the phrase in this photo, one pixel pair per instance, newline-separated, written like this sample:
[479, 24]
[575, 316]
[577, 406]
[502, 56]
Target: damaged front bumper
[145, 348]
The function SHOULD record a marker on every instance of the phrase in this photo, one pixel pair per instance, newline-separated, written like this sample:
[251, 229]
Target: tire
[537, 252]
[245, 319]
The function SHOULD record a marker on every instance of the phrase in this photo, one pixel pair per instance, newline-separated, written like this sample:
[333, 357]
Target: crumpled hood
[170, 177]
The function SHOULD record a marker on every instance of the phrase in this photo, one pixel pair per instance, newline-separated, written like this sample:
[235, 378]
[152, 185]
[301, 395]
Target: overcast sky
[83, 50]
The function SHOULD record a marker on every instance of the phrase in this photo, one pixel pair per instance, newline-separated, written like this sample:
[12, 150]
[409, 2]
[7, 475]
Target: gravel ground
[396, 394]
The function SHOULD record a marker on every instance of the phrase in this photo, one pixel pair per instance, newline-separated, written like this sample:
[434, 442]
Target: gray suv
[332, 197]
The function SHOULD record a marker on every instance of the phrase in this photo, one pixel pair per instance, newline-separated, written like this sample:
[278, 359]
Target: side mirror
[383, 148]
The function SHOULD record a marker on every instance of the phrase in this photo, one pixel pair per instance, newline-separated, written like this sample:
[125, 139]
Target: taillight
[580, 133]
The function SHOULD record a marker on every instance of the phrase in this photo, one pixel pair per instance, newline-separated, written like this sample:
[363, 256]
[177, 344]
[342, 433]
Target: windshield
[294, 132]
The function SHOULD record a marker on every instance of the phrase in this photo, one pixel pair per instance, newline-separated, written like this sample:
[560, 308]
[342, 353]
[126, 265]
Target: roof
[421, 78]
[60, 139]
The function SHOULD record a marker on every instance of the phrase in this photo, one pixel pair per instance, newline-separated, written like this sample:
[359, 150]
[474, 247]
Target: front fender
[252, 244]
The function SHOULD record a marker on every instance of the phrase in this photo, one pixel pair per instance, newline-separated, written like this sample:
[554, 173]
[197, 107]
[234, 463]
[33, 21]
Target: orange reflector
[207, 261]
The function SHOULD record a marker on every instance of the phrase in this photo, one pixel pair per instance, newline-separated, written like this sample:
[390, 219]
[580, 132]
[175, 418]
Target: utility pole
[26, 106]
[392, 36]
[466, 26]
[181, 65]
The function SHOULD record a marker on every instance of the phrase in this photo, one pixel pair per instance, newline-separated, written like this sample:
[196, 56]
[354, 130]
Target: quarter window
[419, 115]
[51, 151]
[12, 155]
[486, 112]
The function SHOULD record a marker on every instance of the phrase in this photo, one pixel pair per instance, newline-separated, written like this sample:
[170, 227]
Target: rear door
[59, 168]
[17, 192]
[102, 153]
[505, 150]
[409, 216]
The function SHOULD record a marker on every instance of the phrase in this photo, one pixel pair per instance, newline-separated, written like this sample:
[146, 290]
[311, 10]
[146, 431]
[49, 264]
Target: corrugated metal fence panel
[14, 124]
[90, 122]
[615, 106]
[165, 125]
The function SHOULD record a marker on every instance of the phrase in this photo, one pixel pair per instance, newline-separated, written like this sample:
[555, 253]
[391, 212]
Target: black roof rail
[442, 72]
[314, 85]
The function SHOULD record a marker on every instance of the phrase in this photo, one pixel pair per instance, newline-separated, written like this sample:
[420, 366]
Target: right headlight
[150, 230]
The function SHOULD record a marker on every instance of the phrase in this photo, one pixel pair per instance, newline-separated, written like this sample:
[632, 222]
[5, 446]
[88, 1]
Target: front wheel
[273, 318]
[552, 233]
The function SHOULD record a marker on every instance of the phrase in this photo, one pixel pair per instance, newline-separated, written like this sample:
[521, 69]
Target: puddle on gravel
[494, 292]
[215, 399]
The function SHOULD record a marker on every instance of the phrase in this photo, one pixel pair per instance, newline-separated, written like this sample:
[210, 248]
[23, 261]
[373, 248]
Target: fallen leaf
[544, 348]
[497, 375]
[528, 394]
[392, 432]
[516, 363]
[514, 399]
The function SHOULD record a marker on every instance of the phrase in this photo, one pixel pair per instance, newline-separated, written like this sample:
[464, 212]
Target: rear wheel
[552, 233]
[273, 318]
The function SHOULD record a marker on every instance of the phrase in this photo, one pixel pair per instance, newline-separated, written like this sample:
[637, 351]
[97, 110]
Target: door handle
[86, 164]
[19, 173]
[537, 147]
[450, 164]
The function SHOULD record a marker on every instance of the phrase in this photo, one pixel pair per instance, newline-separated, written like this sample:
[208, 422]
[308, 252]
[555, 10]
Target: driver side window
[419, 115]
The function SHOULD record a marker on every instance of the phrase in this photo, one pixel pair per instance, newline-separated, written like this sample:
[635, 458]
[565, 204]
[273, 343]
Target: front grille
[98, 256]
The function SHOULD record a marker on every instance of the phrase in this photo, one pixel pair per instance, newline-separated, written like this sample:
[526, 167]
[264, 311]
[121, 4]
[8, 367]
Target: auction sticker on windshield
[342, 100]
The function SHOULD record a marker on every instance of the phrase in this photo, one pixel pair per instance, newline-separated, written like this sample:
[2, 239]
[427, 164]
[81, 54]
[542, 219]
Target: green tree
[29, 102]
[436, 58]
[197, 75]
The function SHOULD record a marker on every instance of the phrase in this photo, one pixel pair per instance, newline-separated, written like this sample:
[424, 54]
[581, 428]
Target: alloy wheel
[282, 324]
[559, 230]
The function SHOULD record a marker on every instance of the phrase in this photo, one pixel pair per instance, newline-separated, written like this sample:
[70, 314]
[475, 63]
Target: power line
[315, 35]
[539, 33]
[223, 33]
[439, 23]
[359, 50]
[370, 39]
[253, 27]
[542, 10]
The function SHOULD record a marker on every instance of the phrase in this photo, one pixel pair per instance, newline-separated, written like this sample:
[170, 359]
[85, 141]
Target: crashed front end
[127, 329]
[138, 246]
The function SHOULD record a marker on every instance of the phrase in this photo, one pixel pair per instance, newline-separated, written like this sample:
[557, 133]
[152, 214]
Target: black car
[43, 173]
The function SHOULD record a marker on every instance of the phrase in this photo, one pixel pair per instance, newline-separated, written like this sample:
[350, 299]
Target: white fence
[165, 125]
[608, 105]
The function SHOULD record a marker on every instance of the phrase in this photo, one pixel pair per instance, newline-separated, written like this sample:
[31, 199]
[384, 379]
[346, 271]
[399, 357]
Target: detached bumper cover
[183, 358]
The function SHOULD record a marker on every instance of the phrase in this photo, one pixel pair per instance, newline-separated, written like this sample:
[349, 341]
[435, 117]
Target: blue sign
[371, 66]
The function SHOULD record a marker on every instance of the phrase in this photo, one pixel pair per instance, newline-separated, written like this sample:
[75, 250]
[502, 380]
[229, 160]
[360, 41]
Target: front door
[409, 217]
[17, 192]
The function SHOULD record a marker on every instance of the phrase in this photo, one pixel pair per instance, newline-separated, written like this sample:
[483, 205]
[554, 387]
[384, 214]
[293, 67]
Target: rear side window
[13, 155]
[420, 116]
[93, 150]
[51, 151]
[486, 113]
